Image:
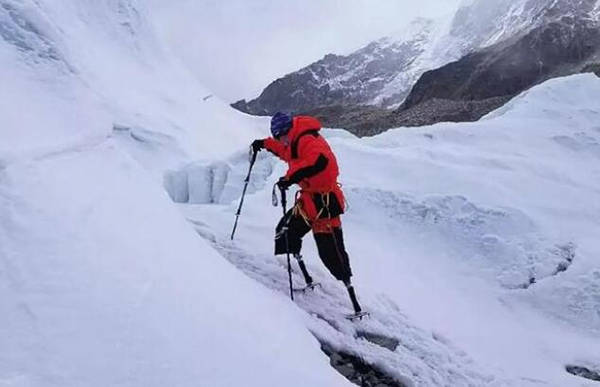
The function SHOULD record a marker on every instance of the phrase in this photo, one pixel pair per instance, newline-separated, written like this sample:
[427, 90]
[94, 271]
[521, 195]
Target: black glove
[257, 145]
[283, 183]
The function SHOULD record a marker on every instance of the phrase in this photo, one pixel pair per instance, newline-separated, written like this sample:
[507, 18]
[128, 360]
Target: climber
[320, 200]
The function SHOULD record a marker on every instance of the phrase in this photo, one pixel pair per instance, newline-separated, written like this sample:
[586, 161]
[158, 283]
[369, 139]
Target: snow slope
[474, 245]
[102, 282]
[482, 236]
[75, 58]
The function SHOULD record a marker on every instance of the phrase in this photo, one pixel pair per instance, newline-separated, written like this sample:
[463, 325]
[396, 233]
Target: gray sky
[237, 47]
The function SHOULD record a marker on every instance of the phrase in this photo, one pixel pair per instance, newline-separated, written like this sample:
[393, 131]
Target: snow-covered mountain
[119, 179]
[102, 281]
[355, 79]
[560, 38]
[383, 73]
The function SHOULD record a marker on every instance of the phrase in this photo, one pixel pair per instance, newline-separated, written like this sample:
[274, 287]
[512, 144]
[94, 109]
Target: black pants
[330, 245]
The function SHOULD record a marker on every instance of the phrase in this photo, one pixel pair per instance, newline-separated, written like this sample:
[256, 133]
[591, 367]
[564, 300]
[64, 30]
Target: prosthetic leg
[310, 285]
[358, 312]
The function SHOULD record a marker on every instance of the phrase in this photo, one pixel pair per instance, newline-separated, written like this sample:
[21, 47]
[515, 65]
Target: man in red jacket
[320, 201]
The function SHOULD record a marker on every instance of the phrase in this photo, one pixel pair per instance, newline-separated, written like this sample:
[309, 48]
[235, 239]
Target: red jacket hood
[302, 124]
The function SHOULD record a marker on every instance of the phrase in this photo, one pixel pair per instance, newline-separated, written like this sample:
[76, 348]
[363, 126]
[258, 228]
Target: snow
[124, 78]
[447, 227]
[102, 282]
[105, 284]
[119, 181]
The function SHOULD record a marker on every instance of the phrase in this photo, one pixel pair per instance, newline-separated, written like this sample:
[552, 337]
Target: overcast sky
[237, 47]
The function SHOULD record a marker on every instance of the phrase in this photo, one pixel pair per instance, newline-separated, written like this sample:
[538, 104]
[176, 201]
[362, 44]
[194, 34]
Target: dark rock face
[357, 371]
[592, 68]
[369, 120]
[350, 117]
[504, 70]
[436, 110]
[386, 342]
[482, 81]
[583, 372]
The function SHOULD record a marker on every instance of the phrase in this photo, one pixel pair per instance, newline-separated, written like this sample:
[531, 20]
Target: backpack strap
[296, 142]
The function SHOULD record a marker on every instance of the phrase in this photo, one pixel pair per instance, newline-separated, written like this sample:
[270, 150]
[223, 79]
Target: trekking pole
[239, 211]
[287, 244]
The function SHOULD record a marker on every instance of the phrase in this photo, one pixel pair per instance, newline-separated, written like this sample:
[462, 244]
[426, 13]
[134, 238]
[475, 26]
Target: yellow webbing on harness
[325, 196]
[297, 210]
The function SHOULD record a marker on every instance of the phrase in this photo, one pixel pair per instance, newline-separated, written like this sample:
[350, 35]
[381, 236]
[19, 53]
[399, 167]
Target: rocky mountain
[567, 41]
[446, 70]
[383, 72]
[360, 78]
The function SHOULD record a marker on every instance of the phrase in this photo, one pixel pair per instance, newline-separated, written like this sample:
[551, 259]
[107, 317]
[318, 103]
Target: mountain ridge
[428, 50]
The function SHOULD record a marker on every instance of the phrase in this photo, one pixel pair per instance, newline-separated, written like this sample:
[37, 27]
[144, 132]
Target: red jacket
[312, 164]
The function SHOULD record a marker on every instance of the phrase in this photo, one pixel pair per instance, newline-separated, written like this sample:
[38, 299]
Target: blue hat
[281, 124]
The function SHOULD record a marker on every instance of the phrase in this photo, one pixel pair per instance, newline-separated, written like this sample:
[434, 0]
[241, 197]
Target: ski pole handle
[283, 200]
[252, 160]
[253, 157]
